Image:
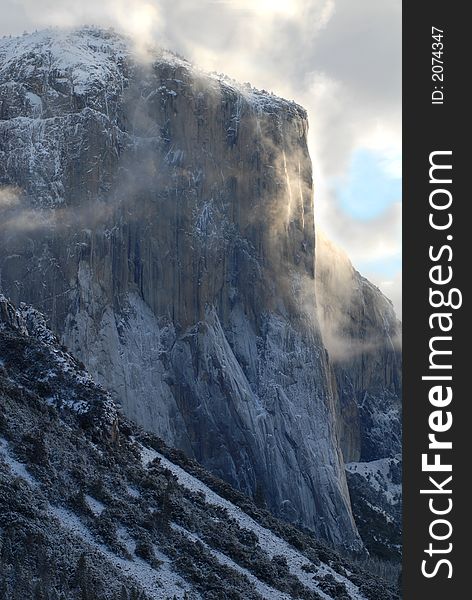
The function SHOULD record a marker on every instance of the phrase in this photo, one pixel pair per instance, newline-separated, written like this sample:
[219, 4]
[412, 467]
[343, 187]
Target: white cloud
[363, 240]
[391, 288]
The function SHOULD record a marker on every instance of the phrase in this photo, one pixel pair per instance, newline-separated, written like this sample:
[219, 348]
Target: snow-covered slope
[376, 496]
[91, 506]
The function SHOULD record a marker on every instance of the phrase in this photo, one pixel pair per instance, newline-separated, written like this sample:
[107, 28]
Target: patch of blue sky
[369, 187]
[386, 267]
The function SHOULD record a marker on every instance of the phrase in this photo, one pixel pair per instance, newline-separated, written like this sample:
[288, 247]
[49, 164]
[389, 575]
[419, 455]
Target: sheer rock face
[162, 219]
[363, 338]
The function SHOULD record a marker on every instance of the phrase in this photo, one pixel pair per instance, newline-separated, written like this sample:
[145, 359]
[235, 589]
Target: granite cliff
[363, 337]
[162, 219]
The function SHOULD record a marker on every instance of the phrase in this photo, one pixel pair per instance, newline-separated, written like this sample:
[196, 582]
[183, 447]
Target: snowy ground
[268, 541]
[163, 584]
[16, 467]
[266, 591]
[159, 585]
[377, 473]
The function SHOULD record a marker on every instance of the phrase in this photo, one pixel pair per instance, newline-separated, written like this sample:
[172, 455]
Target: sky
[340, 59]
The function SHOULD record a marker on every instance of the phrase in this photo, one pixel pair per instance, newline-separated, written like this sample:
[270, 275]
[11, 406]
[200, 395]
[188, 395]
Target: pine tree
[259, 496]
[82, 578]
[134, 594]
[39, 593]
[165, 513]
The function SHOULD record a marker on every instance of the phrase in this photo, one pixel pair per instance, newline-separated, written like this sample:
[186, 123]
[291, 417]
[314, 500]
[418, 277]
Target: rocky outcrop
[30, 345]
[162, 219]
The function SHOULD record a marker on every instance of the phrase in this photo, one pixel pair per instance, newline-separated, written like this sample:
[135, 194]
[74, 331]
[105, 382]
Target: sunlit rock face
[162, 219]
[363, 337]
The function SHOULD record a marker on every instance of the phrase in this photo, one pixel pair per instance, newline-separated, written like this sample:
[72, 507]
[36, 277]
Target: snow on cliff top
[81, 56]
[88, 56]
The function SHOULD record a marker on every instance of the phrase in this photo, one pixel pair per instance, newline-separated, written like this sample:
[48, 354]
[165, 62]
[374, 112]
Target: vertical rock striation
[162, 218]
[363, 337]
